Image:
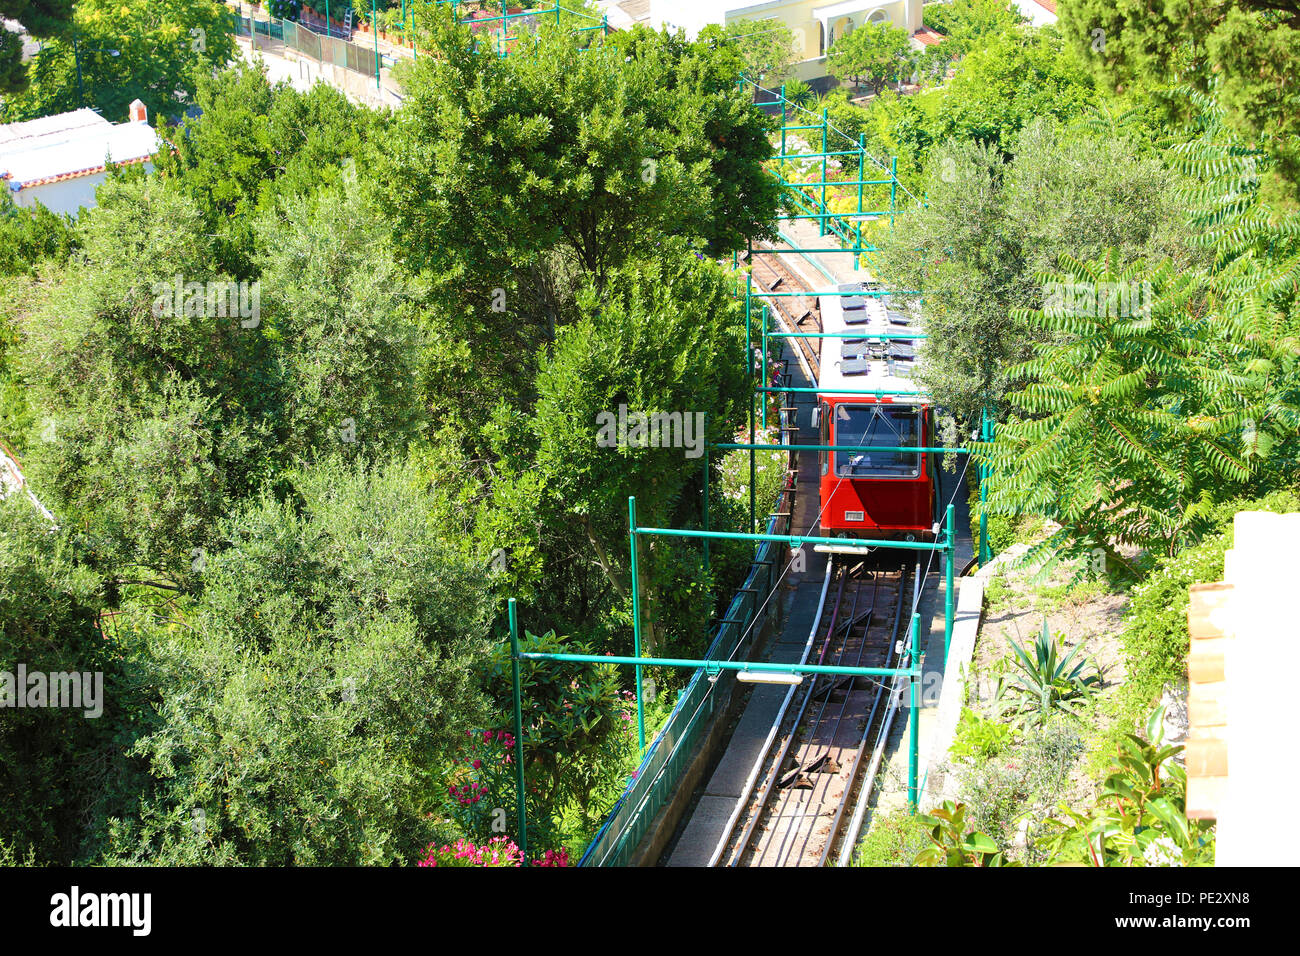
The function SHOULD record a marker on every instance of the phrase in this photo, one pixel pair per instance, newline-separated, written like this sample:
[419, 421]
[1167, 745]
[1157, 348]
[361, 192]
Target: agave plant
[1044, 683]
[798, 92]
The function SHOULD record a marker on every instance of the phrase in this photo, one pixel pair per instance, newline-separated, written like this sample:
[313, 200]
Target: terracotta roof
[79, 173]
[928, 37]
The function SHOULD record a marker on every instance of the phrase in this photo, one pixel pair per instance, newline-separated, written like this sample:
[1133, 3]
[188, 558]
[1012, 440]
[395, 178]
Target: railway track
[804, 801]
[796, 313]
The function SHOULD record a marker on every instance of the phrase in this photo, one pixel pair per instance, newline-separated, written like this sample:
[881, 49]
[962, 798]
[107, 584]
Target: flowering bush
[575, 727]
[499, 851]
[480, 791]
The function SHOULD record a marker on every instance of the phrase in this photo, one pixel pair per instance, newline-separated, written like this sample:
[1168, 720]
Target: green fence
[671, 752]
[294, 36]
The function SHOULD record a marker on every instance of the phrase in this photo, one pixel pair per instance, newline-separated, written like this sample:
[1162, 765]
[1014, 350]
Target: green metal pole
[636, 620]
[783, 119]
[986, 434]
[914, 720]
[949, 559]
[327, 18]
[825, 115]
[893, 189]
[765, 379]
[519, 731]
[749, 357]
[862, 166]
[557, 12]
[753, 526]
[716, 665]
[374, 29]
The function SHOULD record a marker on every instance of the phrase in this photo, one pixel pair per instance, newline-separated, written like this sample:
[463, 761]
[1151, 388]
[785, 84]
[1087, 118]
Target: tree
[313, 693]
[42, 19]
[1021, 75]
[874, 53]
[971, 266]
[1249, 48]
[969, 24]
[599, 152]
[1146, 405]
[666, 339]
[124, 50]
[766, 47]
[153, 414]
[253, 145]
[513, 182]
[346, 324]
[29, 237]
[991, 226]
[50, 757]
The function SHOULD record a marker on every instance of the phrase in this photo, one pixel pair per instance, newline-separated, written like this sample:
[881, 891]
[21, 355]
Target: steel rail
[747, 790]
[775, 772]
[850, 837]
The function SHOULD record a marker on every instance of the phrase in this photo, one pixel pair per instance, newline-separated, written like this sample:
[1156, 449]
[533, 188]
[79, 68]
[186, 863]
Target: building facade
[816, 24]
[60, 160]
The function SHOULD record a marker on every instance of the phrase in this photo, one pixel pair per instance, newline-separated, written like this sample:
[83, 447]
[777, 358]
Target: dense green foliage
[969, 24]
[1247, 50]
[41, 19]
[894, 840]
[29, 237]
[1155, 631]
[298, 449]
[992, 225]
[254, 146]
[1140, 817]
[1019, 76]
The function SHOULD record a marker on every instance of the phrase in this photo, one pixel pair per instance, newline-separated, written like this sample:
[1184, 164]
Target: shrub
[894, 839]
[979, 739]
[499, 851]
[1155, 633]
[952, 845]
[1140, 818]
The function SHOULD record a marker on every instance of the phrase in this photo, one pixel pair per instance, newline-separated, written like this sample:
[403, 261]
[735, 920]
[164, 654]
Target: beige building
[816, 24]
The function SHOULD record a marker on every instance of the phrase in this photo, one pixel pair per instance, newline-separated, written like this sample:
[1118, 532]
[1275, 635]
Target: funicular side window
[824, 423]
[883, 425]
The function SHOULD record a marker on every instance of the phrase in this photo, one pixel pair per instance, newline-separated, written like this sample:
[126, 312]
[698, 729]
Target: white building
[60, 160]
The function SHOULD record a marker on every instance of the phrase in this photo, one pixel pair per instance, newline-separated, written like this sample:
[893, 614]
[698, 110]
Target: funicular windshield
[884, 425]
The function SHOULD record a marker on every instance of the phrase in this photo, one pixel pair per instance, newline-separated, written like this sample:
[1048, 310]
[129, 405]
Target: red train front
[887, 494]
